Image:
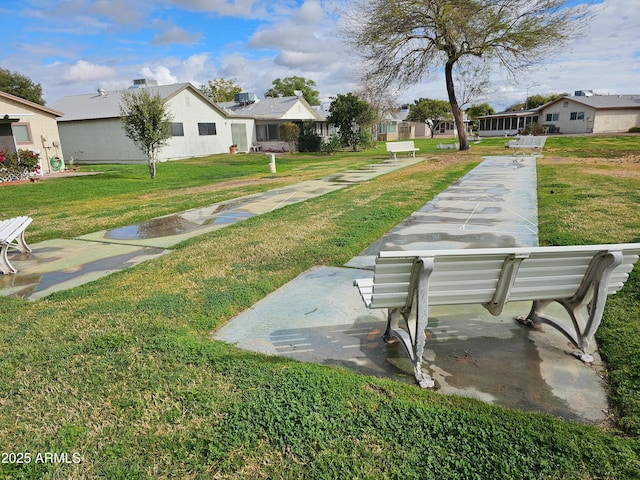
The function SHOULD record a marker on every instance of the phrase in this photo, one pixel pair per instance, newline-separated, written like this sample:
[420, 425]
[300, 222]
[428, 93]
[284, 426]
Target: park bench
[401, 147]
[573, 276]
[528, 142]
[12, 236]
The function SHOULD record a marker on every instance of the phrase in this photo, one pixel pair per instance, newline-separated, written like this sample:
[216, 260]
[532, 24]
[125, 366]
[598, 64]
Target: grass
[122, 371]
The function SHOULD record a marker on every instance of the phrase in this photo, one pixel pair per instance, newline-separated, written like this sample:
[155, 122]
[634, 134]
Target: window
[22, 133]
[207, 128]
[552, 117]
[576, 116]
[176, 129]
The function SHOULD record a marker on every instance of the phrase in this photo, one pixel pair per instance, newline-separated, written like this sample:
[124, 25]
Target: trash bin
[272, 162]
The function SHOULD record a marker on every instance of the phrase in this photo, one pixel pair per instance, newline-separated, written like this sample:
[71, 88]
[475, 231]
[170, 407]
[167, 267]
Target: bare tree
[405, 40]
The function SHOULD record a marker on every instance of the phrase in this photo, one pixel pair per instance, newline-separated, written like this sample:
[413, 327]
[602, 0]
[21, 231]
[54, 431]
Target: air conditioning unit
[245, 98]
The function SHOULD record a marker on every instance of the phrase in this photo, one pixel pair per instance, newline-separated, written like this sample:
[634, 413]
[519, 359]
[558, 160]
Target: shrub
[634, 130]
[289, 132]
[533, 128]
[309, 140]
[334, 144]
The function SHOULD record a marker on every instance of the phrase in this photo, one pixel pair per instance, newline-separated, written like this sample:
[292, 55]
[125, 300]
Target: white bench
[572, 276]
[447, 146]
[401, 147]
[529, 142]
[12, 236]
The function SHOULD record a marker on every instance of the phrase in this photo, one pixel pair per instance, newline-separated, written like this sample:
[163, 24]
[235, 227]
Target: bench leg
[5, 267]
[21, 244]
[593, 290]
[412, 332]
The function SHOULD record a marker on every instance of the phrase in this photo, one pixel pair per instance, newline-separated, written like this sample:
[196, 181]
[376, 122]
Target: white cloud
[160, 73]
[83, 71]
[173, 35]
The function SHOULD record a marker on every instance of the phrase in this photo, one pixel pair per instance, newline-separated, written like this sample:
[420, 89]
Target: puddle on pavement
[34, 283]
[155, 228]
[230, 217]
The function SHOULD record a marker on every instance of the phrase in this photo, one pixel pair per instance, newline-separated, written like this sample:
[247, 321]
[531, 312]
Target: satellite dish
[298, 93]
[102, 93]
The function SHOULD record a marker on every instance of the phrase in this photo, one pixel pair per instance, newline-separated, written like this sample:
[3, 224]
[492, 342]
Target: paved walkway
[319, 317]
[56, 265]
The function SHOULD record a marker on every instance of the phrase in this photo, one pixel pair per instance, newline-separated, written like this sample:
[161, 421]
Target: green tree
[351, 116]
[431, 112]
[221, 89]
[146, 121]
[288, 86]
[404, 41]
[478, 110]
[20, 86]
[535, 101]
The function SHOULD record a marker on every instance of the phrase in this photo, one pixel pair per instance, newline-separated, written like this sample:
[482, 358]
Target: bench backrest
[400, 146]
[472, 276]
[10, 229]
[529, 141]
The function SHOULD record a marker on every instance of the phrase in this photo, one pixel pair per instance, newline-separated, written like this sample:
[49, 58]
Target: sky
[74, 47]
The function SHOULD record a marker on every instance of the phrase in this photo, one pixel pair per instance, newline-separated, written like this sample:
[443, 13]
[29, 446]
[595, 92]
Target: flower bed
[18, 166]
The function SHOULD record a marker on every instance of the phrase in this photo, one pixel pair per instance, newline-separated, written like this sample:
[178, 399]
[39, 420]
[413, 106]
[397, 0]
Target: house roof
[29, 104]
[602, 102]
[93, 106]
[267, 108]
[598, 102]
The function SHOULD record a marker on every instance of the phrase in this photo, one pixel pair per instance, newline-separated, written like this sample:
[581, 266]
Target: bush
[309, 140]
[334, 144]
[634, 130]
[289, 132]
[533, 128]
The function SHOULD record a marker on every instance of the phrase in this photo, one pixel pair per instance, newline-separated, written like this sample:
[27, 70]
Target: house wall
[190, 109]
[583, 121]
[298, 112]
[607, 121]
[98, 141]
[45, 138]
[104, 140]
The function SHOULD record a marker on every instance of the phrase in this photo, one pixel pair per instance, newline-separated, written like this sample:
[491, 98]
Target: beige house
[578, 114]
[592, 114]
[25, 125]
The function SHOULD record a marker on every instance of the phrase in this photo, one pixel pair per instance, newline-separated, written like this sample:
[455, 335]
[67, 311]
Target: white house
[269, 113]
[91, 129]
[25, 125]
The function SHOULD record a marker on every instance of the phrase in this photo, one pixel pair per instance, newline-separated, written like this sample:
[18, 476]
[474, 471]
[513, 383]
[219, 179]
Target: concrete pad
[320, 318]
[56, 265]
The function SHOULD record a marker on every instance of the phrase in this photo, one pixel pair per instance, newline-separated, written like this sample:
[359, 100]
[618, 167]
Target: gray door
[239, 136]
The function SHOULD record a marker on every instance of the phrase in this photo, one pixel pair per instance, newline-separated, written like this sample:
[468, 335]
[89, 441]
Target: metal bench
[572, 276]
[401, 147]
[531, 143]
[12, 236]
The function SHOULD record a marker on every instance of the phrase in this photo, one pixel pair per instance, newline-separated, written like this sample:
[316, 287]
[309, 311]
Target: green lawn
[122, 371]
